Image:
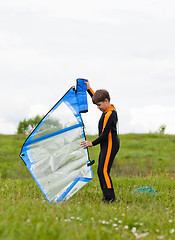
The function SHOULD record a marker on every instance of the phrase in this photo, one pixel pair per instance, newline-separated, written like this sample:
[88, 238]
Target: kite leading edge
[52, 152]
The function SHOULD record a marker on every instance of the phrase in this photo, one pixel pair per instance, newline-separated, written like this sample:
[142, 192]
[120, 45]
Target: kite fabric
[52, 152]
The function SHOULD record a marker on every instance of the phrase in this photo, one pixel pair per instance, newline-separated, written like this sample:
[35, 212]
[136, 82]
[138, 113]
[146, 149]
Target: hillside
[139, 155]
[143, 160]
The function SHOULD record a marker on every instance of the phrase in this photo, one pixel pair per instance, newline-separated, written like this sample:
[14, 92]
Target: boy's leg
[109, 195]
[104, 178]
[100, 170]
[108, 192]
[106, 159]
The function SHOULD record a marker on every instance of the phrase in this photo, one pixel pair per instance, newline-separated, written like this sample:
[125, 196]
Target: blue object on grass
[148, 190]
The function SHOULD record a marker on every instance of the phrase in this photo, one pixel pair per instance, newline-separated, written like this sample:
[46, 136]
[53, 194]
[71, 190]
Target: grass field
[143, 160]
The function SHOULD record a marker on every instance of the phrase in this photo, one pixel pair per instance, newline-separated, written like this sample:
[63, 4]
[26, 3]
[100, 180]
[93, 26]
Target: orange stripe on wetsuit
[106, 176]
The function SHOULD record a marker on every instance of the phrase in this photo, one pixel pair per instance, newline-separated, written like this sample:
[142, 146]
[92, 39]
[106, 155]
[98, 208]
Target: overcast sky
[126, 47]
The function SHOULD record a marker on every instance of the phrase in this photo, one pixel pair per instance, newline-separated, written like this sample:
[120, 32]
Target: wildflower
[141, 235]
[72, 218]
[133, 230]
[160, 237]
[115, 225]
[103, 222]
[126, 227]
[67, 220]
[123, 214]
[56, 219]
[92, 219]
[28, 220]
[119, 221]
[170, 221]
[115, 219]
[172, 230]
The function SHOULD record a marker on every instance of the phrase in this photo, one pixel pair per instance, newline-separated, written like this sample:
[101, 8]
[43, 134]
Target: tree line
[26, 126]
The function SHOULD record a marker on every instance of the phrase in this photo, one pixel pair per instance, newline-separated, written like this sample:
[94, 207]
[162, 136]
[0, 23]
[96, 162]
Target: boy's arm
[106, 128]
[104, 135]
[89, 89]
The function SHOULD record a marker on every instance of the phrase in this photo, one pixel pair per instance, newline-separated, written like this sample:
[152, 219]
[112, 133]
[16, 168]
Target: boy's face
[102, 106]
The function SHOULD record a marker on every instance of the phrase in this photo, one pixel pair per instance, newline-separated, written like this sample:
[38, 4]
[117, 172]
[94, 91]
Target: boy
[108, 140]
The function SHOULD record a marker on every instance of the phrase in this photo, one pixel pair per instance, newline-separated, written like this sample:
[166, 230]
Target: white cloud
[82, 9]
[38, 109]
[125, 46]
[150, 118]
[7, 127]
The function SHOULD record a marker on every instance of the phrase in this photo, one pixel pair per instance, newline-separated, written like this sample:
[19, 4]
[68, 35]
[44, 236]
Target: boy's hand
[85, 144]
[87, 84]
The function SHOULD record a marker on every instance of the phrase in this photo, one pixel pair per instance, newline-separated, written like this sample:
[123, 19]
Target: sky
[126, 47]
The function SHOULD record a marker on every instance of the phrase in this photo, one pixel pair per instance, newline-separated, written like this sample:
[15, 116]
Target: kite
[52, 152]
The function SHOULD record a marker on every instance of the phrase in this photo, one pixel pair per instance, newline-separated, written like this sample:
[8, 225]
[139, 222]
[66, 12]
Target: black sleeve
[106, 129]
[90, 91]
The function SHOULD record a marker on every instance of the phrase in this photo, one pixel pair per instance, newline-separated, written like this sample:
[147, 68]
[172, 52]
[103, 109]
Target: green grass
[143, 160]
[10, 164]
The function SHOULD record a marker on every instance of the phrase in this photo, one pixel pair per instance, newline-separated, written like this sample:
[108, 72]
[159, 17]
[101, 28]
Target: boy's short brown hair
[100, 95]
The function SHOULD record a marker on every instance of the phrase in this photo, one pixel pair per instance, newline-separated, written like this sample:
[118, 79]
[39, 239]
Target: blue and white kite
[52, 152]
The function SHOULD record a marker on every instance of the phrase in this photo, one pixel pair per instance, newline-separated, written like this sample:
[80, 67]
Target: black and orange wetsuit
[109, 146]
